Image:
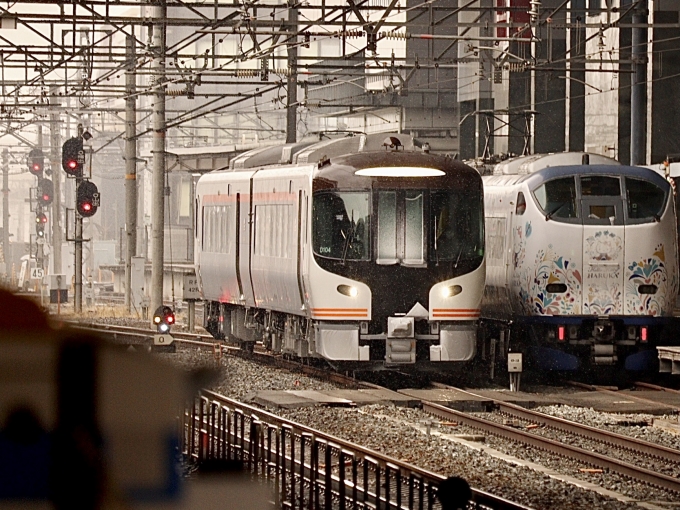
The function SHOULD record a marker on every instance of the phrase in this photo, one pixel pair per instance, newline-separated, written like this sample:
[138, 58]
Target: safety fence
[309, 469]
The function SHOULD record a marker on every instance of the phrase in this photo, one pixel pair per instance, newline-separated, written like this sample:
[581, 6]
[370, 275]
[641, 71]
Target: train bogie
[373, 258]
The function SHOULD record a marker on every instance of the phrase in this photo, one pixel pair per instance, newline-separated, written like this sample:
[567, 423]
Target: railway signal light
[73, 157]
[164, 318]
[40, 221]
[45, 191]
[87, 199]
[36, 162]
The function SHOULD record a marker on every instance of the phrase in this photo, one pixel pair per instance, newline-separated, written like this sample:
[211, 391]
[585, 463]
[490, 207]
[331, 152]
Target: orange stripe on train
[457, 310]
[356, 315]
[364, 310]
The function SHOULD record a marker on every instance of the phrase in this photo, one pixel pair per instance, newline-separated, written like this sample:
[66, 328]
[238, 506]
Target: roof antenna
[392, 142]
[585, 159]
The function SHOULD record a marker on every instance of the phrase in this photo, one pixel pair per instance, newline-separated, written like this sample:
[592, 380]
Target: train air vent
[647, 289]
[556, 288]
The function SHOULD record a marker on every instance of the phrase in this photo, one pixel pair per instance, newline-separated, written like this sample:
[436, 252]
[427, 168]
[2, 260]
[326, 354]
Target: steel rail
[283, 449]
[656, 387]
[609, 391]
[259, 354]
[579, 429]
[591, 458]
[218, 431]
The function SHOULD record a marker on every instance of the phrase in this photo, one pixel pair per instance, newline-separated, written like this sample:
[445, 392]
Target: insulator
[247, 73]
[600, 39]
[535, 10]
[349, 33]
[284, 72]
[514, 67]
[175, 92]
[394, 35]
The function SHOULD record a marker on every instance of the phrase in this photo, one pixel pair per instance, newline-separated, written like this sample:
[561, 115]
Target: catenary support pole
[55, 164]
[158, 148]
[291, 103]
[39, 246]
[130, 166]
[638, 86]
[78, 262]
[5, 212]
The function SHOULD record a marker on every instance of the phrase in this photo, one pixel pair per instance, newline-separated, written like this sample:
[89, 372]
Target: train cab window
[557, 198]
[601, 200]
[457, 228]
[600, 186]
[645, 199]
[387, 228]
[414, 245]
[340, 227]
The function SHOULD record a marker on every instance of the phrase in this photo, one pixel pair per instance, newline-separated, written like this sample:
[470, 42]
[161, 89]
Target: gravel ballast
[401, 433]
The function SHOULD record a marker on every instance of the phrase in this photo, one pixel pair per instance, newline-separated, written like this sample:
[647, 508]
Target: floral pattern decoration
[551, 268]
[650, 271]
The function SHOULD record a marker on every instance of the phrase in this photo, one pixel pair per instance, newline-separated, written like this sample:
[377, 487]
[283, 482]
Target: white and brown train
[365, 251]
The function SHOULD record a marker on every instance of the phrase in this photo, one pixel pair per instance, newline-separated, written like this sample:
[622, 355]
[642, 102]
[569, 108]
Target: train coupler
[400, 345]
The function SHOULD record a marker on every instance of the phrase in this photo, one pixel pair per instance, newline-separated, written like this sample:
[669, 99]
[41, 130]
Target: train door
[302, 243]
[245, 230]
[602, 213]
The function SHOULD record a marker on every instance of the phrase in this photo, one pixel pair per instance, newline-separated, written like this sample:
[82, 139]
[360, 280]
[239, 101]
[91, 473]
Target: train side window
[557, 198]
[521, 204]
[203, 219]
[645, 199]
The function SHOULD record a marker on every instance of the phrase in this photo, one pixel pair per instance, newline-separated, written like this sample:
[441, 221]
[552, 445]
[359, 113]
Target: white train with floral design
[582, 261]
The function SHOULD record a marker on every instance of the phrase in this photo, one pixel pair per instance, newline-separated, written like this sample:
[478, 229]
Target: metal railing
[309, 469]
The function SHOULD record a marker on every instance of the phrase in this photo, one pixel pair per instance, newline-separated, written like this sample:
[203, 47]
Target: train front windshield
[601, 199]
[407, 227]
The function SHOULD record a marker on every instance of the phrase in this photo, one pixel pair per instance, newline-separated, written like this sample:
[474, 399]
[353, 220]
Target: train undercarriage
[584, 344]
[405, 343]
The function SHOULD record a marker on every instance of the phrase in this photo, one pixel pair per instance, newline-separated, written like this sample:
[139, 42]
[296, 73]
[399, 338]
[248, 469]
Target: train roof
[547, 174]
[312, 152]
[524, 165]
[672, 170]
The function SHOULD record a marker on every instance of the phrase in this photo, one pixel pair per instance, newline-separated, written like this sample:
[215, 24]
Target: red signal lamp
[643, 334]
[560, 333]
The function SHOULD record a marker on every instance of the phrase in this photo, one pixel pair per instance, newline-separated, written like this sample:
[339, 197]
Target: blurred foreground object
[83, 424]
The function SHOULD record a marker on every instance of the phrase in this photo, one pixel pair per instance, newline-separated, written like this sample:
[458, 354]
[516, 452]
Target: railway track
[144, 336]
[608, 390]
[307, 466]
[610, 439]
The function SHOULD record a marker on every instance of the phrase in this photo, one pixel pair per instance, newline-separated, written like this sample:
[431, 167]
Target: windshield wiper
[348, 237]
[460, 252]
[554, 210]
[436, 253]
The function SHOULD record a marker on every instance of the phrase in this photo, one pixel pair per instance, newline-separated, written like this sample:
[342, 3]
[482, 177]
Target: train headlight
[400, 171]
[348, 290]
[451, 291]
